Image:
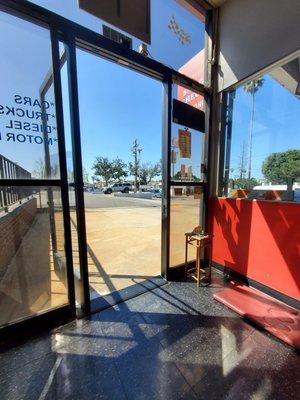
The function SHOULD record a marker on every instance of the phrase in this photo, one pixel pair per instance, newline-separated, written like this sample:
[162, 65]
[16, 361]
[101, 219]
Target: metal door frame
[68, 311]
[75, 36]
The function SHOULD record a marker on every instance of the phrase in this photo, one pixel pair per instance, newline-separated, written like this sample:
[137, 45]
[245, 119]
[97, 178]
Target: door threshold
[111, 299]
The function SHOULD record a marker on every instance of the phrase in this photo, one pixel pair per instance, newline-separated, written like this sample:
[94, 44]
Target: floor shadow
[172, 343]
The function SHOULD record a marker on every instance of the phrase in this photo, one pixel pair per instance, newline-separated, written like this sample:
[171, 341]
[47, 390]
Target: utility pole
[252, 87]
[139, 167]
[135, 151]
[251, 136]
[242, 164]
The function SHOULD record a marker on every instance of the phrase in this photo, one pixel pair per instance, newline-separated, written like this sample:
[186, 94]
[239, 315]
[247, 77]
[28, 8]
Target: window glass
[186, 213]
[121, 157]
[33, 275]
[186, 154]
[28, 136]
[262, 137]
[177, 31]
[189, 97]
[187, 141]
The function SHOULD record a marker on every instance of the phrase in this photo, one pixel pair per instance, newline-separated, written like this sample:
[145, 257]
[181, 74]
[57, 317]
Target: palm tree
[252, 87]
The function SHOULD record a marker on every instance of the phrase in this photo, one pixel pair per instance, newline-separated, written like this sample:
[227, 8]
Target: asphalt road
[100, 200]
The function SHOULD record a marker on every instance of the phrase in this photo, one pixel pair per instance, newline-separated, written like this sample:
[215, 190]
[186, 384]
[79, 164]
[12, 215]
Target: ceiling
[216, 3]
[202, 4]
[288, 75]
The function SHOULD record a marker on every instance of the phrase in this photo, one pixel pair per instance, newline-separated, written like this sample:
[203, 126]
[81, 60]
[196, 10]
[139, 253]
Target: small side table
[200, 241]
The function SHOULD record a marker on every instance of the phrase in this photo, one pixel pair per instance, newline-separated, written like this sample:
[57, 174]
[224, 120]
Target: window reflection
[177, 31]
[186, 214]
[28, 135]
[262, 132]
[186, 154]
[32, 257]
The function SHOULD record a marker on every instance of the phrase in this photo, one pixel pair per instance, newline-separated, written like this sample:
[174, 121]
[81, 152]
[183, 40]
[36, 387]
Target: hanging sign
[194, 68]
[185, 143]
[132, 16]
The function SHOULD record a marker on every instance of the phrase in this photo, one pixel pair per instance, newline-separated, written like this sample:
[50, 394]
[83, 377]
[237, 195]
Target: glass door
[121, 138]
[35, 254]
[134, 188]
[186, 172]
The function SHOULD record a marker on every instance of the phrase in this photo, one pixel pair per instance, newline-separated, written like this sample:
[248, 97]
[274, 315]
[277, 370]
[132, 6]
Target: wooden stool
[200, 240]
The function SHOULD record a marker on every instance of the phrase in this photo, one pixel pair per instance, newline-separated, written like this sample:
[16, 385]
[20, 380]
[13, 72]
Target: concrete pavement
[100, 200]
[124, 238]
[124, 248]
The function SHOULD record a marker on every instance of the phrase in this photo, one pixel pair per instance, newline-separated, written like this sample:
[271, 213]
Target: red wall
[259, 239]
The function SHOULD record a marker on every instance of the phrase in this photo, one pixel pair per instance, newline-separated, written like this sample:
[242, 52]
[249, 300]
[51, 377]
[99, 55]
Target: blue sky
[23, 68]
[118, 105]
[276, 123]
[165, 46]
[113, 114]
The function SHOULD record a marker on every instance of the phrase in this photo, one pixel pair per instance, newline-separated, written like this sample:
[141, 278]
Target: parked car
[145, 188]
[156, 193]
[297, 195]
[124, 187]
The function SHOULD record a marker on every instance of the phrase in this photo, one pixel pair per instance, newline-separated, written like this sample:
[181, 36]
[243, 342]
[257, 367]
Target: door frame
[177, 272]
[75, 36]
[65, 312]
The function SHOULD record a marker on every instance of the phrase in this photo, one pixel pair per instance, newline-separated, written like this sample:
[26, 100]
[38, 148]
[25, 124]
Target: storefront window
[186, 154]
[33, 275]
[176, 34]
[187, 136]
[28, 135]
[262, 136]
[186, 213]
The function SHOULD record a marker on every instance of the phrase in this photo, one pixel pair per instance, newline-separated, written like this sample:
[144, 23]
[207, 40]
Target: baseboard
[290, 301]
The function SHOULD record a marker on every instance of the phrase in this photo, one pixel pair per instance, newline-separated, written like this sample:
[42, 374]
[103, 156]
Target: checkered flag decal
[182, 36]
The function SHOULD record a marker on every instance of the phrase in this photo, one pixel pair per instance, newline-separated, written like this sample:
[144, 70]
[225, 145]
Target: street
[100, 200]
[124, 236]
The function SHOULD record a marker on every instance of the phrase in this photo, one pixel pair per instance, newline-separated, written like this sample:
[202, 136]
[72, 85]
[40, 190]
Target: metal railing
[11, 170]
[10, 195]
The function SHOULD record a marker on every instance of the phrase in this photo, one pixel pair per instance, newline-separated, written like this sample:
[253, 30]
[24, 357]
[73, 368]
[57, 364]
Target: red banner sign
[194, 69]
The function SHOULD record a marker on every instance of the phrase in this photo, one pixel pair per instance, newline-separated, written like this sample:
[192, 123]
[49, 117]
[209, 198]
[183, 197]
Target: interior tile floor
[174, 342]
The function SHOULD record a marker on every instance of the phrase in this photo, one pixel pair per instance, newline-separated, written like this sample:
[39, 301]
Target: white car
[118, 187]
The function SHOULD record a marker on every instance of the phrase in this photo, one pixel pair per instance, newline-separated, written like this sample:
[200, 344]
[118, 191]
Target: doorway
[187, 175]
[122, 118]
[36, 274]
[120, 114]
[122, 132]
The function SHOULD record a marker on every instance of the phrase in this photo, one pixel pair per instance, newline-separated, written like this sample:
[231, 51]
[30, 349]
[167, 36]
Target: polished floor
[174, 342]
